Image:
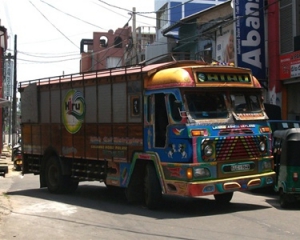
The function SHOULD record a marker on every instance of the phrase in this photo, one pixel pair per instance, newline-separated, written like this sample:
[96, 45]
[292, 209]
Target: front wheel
[223, 198]
[283, 199]
[152, 188]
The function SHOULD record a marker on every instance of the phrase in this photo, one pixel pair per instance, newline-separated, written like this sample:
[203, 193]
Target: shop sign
[290, 65]
[249, 33]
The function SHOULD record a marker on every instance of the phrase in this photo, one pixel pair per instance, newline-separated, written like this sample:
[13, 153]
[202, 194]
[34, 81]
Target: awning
[4, 103]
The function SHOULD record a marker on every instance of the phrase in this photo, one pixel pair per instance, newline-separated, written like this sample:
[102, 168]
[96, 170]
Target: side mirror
[178, 105]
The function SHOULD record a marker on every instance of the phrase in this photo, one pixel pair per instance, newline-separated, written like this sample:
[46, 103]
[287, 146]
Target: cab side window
[175, 110]
[161, 120]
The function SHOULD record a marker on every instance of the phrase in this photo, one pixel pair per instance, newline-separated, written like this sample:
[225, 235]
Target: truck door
[161, 120]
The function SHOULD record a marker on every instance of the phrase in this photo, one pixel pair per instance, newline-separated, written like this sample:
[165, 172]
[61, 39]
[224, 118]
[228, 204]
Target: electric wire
[128, 11]
[71, 15]
[143, 12]
[109, 9]
[47, 55]
[151, 12]
[53, 25]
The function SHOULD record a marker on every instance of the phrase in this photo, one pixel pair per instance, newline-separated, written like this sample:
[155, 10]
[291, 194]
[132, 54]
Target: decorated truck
[184, 128]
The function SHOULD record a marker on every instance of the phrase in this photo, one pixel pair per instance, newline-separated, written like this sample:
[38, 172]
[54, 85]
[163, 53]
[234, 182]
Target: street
[96, 212]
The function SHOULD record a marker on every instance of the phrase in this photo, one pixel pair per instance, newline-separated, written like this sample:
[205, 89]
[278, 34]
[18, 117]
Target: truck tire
[152, 188]
[223, 198]
[72, 184]
[135, 190]
[283, 199]
[54, 178]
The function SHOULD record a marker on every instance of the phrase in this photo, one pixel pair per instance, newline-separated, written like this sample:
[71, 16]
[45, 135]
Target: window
[161, 120]
[118, 42]
[149, 108]
[286, 26]
[103, 41]
[135, 106]
[246, 102]
[162, 16]
[206, 105]
[174, 106]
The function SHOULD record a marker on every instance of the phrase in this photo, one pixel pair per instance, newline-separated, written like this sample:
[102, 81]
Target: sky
[49, 32]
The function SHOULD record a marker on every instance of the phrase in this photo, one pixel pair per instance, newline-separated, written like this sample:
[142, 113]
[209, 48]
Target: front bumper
[211, 187]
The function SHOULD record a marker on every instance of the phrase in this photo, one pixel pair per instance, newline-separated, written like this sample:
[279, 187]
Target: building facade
[105, 49]
[115, 49]
[3, 47]
[206, 35]
[168, 13]
[284, 56]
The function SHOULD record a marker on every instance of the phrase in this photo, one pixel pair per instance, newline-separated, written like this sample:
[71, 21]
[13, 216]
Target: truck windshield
[246, 102]
[212, 105]
[206, 105]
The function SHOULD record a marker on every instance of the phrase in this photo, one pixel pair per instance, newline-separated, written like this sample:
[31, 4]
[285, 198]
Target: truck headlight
[262, 146]
[208, 150]
[201, 172]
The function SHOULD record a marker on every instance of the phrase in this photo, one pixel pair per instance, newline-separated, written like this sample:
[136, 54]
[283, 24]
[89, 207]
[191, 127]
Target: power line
[71, 15]
[110, 10]
[61, 60]
[179, 5]
[128, 11]
[53, 25]
[45, 55]
[45, 62]
[115, 6]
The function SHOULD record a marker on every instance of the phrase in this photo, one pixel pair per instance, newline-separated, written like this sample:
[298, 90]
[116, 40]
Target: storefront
[290, 79]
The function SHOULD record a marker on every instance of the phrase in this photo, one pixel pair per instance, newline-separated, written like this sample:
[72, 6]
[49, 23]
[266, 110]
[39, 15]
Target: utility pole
[8, 90]
[14, 103]
[134, 59]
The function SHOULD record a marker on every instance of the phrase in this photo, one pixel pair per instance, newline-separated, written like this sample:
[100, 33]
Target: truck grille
[238, 147]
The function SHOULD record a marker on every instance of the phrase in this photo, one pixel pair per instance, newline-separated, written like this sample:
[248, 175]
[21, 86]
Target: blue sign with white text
[250, 38]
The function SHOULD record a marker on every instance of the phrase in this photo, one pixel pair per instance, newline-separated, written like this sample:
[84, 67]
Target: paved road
[95, 212]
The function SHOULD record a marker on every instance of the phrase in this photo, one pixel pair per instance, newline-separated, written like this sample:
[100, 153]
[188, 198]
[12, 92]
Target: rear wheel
[223, 198]
[152, 188]
[54, 176]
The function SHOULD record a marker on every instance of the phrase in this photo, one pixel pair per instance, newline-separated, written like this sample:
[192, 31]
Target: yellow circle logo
[73, 110]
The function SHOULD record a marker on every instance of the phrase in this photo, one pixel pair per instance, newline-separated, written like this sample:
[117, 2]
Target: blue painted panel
[250, 38]
[175, 12]
[192, 8]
